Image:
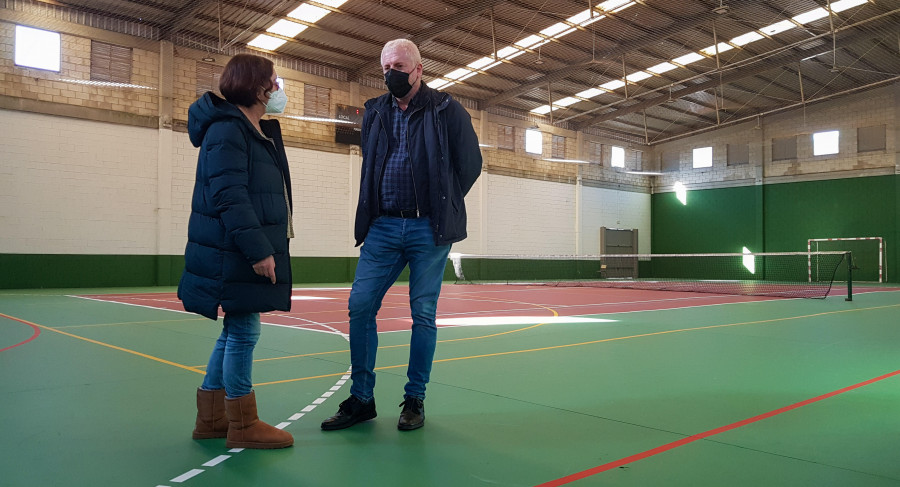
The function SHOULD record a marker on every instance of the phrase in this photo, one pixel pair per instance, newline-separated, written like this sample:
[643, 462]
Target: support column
[164, 163]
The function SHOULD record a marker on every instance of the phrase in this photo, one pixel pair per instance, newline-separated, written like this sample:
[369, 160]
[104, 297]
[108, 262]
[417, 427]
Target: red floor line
[35, 332]
[690, 439]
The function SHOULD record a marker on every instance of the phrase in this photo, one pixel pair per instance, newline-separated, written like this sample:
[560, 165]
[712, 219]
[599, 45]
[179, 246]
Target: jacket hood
[205, 111]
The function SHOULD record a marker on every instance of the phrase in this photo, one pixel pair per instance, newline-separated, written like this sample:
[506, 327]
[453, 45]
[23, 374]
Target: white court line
[187, 475]
[215, 461]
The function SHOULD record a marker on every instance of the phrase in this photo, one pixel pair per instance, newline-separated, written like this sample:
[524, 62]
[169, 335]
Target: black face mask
[397, 83]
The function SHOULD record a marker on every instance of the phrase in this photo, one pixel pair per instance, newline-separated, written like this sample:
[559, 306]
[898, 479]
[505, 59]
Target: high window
[825, 143]
[36, 48]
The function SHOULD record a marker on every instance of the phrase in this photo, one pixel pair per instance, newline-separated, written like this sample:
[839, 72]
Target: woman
[237, 251]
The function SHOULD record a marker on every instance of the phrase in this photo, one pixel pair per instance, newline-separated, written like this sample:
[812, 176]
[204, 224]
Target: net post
[848, 256]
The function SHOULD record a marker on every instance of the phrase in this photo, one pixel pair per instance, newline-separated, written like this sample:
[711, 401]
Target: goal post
[867, 253]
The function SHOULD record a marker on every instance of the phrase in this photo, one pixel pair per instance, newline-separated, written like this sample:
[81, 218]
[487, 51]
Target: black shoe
[350, 412]
[413, 414]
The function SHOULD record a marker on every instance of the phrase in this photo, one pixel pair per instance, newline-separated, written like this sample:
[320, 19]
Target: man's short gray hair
[404, 45]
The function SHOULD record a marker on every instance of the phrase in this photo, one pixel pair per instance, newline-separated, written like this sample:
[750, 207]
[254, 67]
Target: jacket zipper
[412, 172]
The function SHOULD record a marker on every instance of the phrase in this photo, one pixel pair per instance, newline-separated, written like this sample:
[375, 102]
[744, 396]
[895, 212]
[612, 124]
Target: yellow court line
[131, 323]
[114, 347]
[593, 342]
[385, 347]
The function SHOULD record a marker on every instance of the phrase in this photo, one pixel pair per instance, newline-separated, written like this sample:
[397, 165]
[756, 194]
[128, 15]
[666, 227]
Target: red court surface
[325, 309]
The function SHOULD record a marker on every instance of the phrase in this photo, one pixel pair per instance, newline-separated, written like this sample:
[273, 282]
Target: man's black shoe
[413, 414]
[350, 412]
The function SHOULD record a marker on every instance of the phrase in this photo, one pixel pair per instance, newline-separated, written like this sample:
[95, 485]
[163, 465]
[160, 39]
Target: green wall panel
[781, 217]
[713, 220]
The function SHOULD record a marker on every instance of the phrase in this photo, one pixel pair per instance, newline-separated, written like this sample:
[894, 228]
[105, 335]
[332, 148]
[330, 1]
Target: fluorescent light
[318, 119]
[811, 16]
[480, 63]
[309, 13]
[639, 76]
[105, 83]
[269, 43]
[555, 29]
[529, 41]
[564, 102]
[662, 68]
[286, 28]
[506, 51]
[36, 48]
[778, 28]
[541, 110]
[613, 85]
[688, 59]
[747, 38]
[722, 46]
[845, 4]
[573, 161]
[590, 93]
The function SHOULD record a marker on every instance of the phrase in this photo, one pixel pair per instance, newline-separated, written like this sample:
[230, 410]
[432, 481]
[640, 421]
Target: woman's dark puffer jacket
[238, 213]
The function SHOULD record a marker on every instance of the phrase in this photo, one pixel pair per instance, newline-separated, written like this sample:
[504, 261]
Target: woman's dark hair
[243, 76]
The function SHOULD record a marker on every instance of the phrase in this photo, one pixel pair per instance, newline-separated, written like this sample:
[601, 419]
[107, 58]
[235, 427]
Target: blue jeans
[390, 245]
[232, 357]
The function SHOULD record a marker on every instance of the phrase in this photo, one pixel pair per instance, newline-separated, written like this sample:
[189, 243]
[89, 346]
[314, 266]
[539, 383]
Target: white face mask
[277, 102]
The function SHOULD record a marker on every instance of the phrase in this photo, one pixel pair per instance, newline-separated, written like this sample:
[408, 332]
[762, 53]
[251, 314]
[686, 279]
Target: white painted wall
[70, 186]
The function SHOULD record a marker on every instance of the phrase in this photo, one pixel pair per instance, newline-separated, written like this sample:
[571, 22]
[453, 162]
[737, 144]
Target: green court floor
[104, 396]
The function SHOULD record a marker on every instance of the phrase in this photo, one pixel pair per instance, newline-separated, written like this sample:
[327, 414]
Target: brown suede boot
[245, 430]
[211, 420]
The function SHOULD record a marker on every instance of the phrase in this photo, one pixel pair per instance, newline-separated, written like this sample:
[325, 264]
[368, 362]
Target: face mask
[277, 102]
[397, 83]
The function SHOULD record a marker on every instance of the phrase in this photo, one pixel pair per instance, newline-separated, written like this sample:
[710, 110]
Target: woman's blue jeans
[231, 362]
[390, 245]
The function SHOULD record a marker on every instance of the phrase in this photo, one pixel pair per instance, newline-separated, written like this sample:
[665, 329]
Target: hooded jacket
[239, 215]
[444, 154]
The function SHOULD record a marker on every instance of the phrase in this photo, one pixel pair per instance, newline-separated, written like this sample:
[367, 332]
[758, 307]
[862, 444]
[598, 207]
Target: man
[420, 158]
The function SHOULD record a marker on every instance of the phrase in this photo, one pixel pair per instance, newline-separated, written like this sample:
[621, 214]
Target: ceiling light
[459, 73]
[811, 16]
[332, 3]
[722, 47]
[590, 93]
[613, 85]
[662, 68]
[309, 13]
[747, 38]
[268, 43]
[778, 28]
[688, 59]
[555, 29]
[529, 41]
[845, 4]
[639, 76]
[286, 28]
[564, 102]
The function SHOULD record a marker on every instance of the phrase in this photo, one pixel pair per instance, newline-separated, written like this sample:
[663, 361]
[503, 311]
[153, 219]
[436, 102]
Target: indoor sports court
[680, 266]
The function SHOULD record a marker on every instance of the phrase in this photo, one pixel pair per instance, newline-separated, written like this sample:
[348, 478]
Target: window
[871, 138]
[617, 158]
[703, 157]
[110, 63]
[36, 48]
[558, 149]
[534, 141]
[316, 101]
[825, 143]
[784, 148]
[208, 78]
[738, 154]
[670, 161]
[506, 138]
[595, 152]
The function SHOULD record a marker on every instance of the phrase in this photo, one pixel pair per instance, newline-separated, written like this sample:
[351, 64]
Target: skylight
[263, 41]
[309, 13]
[286, 28]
